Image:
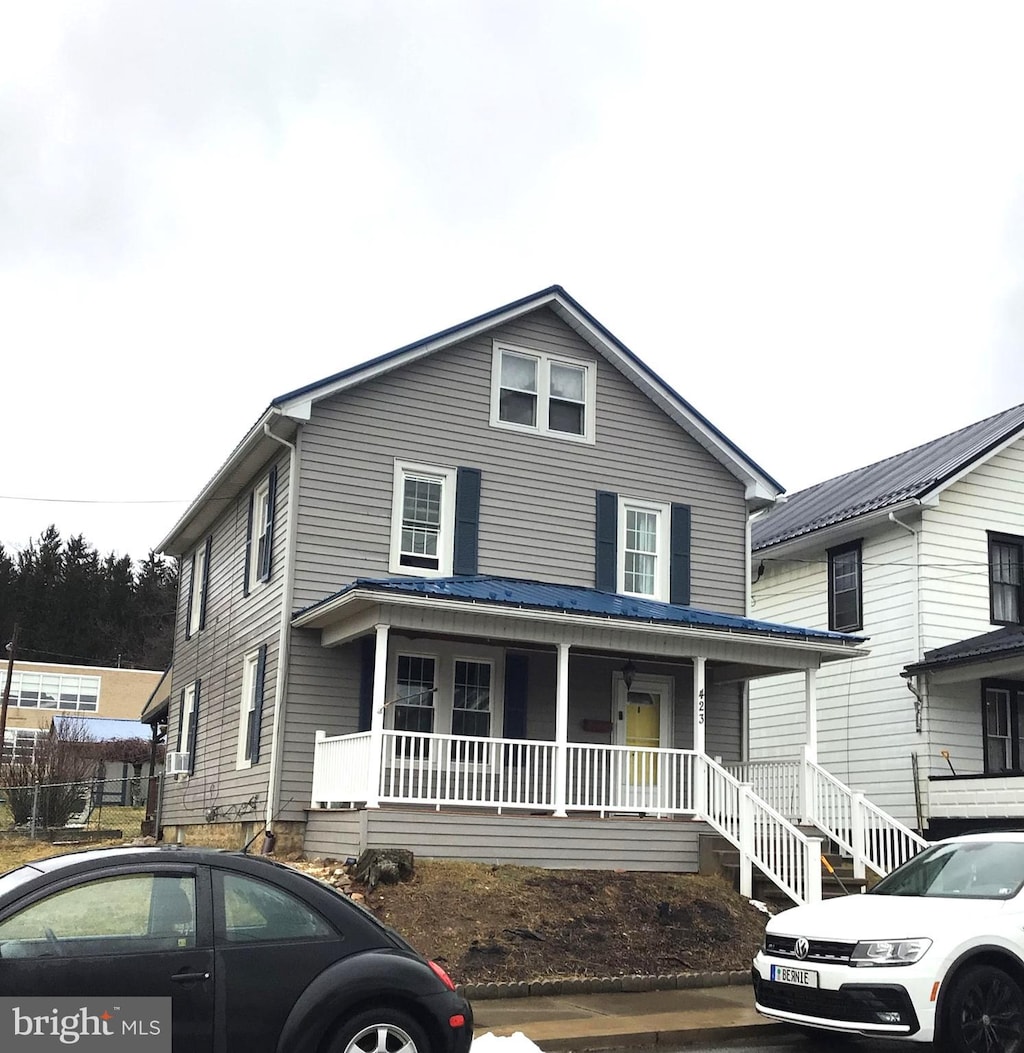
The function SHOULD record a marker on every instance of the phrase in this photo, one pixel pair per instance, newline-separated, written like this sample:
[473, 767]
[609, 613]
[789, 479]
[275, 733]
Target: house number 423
[700, 706]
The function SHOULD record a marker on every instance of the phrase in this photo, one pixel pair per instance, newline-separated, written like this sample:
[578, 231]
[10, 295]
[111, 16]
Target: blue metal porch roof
[575, 599]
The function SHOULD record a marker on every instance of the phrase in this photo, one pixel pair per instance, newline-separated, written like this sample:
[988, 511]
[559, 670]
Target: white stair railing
[871, 837]
[764, 837]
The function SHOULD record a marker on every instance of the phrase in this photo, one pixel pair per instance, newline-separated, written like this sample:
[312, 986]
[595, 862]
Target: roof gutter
[284, 629]
[315, 619]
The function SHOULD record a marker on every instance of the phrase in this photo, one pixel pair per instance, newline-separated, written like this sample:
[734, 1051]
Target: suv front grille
[852, 1003]
[817, 950]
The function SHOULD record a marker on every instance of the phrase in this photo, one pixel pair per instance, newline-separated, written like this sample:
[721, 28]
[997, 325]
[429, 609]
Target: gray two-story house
[482, 596]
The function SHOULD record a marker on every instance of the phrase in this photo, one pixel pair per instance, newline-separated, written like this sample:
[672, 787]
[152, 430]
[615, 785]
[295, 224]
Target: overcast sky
[807, 217]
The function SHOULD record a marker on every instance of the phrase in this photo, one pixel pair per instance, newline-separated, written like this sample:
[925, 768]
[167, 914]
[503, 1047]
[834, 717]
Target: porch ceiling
[524, 612]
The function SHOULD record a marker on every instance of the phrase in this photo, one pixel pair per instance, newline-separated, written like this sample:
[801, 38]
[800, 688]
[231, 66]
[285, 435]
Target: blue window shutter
[248, 544]
[517, 671]
[188, 599]
[679, 579]
[467, 521]
[268, 548]
[367, 653]
[256, 715]
[206, 583]
[193, 727]
[607, 536]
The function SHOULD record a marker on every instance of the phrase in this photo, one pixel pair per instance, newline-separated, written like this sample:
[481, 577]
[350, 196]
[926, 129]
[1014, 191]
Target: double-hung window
[845, 612]
[546, 394]
[199, 584]
[253, 675]
[188, 722]
[259, 538]
[1003, 707]
[643, 547]
[471, 701]
[415, 686]
[423, 520]
[1006, 580]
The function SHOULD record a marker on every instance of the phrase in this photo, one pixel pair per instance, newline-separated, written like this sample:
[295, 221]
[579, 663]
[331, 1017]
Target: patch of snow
[515, 1043]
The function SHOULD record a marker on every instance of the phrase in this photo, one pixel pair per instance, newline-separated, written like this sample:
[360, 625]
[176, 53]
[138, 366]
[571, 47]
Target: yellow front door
[643, 729]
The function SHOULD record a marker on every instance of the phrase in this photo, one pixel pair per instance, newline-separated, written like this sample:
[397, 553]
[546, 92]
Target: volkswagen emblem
[801, 947]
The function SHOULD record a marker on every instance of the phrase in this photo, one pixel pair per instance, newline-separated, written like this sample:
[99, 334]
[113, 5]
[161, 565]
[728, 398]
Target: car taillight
[442, 975]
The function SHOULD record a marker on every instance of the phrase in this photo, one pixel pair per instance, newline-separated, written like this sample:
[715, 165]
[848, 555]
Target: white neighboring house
[922, 553]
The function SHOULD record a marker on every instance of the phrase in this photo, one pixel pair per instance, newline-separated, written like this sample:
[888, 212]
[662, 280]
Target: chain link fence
[99, 802]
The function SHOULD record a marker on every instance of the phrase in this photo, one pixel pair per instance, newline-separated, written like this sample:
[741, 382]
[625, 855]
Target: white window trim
[250, 665]
[544, 361]
[445, 656]
[446, 538]
[663, 556]
[195, 589]
[259, 509]
[186, 718]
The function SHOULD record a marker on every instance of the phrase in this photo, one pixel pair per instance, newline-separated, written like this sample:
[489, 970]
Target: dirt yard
[507, 923]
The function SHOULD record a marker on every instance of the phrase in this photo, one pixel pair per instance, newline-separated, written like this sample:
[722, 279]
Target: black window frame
[833, 614]
[1015, 688]
[1015, 541]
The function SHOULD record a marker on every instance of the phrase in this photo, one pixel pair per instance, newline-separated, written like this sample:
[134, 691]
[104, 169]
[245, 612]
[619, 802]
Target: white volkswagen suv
[935, 951]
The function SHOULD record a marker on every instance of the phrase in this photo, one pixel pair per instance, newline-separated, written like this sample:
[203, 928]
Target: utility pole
[11, 648]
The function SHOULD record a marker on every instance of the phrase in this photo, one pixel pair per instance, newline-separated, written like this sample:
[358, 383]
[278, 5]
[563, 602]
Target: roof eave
[837, 533]
[329, 611]
[247, 457]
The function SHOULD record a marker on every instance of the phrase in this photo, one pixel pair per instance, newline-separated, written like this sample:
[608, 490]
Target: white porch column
[561, 728]
[380, 674]
[700, 775]
[811, 710]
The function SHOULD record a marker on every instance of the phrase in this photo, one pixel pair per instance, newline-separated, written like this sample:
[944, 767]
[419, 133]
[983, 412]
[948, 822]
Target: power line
[90, 501]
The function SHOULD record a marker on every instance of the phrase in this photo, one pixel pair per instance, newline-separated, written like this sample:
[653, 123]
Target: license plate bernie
[786, 974]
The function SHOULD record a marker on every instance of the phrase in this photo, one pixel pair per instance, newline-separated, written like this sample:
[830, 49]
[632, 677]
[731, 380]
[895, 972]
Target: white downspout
[284, 634]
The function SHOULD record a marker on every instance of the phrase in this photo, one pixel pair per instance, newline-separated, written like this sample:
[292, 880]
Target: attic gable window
[845, 602]
[1006, 578]
[545, 394]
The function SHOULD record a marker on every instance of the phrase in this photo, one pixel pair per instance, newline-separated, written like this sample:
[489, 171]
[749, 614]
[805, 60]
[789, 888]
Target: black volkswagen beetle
[255, 956]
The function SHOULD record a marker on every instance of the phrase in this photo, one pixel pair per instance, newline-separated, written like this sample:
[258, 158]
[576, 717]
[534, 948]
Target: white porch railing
[630, 779]
[807, 793]
[763, 836]
[456, 770]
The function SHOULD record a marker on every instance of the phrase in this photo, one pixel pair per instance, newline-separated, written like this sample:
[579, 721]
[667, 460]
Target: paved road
[798, 1043]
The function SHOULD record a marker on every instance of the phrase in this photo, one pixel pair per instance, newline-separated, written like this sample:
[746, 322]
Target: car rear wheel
[986, 1012]
[380, 1031]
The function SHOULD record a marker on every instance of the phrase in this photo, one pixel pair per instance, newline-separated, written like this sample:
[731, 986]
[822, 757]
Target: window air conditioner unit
[176, 763]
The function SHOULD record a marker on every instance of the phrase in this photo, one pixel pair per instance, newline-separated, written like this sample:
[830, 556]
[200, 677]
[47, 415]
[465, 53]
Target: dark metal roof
[1002, 643]
[574, 599]
[912, 475]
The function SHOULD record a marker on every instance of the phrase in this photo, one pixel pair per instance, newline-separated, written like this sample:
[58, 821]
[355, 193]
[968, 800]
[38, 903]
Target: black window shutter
[188, 599]
[268, 547]
[368, 652]
[248, 544]
[607, 537]
[679, 578]
[516, 684]
[206, 583]
[193, 726]
[467, 521]
[256, 714]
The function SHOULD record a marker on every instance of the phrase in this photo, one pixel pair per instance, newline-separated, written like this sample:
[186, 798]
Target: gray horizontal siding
[235, 625]
[537, 498]
[544, 841]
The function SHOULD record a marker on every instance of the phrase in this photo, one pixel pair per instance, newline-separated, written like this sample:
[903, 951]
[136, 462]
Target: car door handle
[189, 978]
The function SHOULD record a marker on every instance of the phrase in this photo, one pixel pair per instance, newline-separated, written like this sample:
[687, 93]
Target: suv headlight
[889, 952]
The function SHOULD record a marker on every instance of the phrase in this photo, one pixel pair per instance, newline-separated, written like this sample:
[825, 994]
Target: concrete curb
[599, 985]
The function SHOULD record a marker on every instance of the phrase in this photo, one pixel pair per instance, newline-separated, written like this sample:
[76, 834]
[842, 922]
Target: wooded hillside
[72, 605]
